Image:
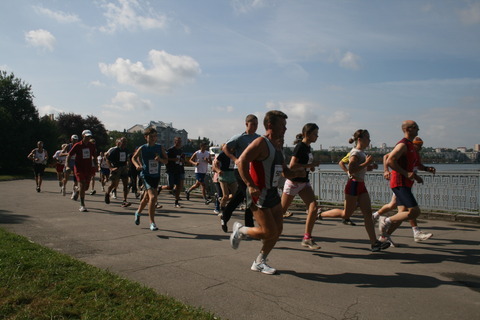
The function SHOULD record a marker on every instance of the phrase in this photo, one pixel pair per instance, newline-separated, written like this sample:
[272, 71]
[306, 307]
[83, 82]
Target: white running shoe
[63, 191]
[309, 243]
[83, 209]
[235, 237]
[422, 236]
[388, 238]
[153, 226]
[263, 267]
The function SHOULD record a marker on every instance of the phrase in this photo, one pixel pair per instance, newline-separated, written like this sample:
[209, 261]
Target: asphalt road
[190, 258]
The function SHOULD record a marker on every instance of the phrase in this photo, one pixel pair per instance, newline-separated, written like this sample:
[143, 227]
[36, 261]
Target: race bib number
[122, 157]
[277, 174]
[153, 167]
[86, 153]
[310, 158]
[179, 159]
[232, 164]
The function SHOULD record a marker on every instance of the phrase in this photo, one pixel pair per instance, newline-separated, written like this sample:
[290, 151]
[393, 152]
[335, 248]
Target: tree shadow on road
[8, 217]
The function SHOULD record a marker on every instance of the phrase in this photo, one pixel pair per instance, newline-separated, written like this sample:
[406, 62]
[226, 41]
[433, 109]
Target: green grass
[39, 283]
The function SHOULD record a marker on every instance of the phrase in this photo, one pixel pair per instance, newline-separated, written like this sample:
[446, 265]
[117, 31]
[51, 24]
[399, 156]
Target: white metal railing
[453, 191]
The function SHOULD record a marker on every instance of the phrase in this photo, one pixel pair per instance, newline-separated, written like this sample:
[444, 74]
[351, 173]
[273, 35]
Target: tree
[19, 122]
[70, 123]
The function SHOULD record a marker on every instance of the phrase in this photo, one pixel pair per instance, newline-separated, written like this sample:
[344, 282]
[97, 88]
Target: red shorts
[59, 167]
[355, 188]
[83, 176]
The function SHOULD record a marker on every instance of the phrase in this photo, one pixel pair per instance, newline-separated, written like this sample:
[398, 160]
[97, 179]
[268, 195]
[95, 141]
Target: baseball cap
[74, 137]
[87, 133]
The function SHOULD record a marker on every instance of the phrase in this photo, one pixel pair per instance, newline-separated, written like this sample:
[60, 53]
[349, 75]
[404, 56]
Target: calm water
[472, 167]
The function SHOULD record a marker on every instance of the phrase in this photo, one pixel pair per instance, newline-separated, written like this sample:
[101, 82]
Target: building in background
[166, 132]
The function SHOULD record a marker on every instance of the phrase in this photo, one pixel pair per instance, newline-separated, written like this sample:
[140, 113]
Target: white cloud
[167, 72]
[48, 109]
[40, 38]
[350, 61]
[471, 15]
[58, 16]
[127, 15]
[97, 83]
[129, 101]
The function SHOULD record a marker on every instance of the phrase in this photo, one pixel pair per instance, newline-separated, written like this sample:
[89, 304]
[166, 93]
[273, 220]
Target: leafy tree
[19, 122]
[70, 123]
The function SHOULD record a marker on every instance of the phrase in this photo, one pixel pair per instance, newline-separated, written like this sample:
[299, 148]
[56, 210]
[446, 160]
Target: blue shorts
[174, 179]
[200, 177]
[405, 197]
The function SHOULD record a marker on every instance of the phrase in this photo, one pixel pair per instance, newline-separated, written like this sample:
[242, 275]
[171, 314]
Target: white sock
[243, 230]
[375, 215]
[388, 222]
[415, 230]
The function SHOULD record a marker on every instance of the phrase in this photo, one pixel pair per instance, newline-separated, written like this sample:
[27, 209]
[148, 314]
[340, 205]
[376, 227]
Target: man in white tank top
[39, 156]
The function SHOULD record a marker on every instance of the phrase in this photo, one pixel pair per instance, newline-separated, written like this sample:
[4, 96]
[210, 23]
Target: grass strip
[39, 283]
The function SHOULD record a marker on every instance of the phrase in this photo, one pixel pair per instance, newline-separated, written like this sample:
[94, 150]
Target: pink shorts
[292, 188]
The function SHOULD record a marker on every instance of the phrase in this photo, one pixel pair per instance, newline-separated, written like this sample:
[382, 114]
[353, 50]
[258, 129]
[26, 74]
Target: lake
[470, 167]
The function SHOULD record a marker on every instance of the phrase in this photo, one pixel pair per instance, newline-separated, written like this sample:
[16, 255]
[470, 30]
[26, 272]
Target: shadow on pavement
[10, 218]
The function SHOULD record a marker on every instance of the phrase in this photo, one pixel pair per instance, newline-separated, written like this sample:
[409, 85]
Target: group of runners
[249, 168]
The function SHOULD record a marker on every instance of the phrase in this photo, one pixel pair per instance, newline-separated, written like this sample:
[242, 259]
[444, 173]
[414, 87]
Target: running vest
[266, 173]
[151, 167]
[408, 161]
[41, 156]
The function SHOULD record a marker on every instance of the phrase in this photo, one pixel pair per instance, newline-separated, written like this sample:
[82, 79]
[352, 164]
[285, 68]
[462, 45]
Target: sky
[204, 65]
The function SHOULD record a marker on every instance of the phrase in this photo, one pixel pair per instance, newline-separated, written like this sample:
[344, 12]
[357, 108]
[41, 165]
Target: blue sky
[204, 65]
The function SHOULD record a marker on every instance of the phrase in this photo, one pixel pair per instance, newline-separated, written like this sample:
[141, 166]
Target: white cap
[87, 133]
[74, 137]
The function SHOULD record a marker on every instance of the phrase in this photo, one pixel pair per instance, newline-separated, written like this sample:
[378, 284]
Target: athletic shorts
[227, 176]
[174, 179]
[355, 188]
[150, 182]
[59, 167]
[38, 169]
[292, 188]
[405, 197]
[200, 177]
[105, 171]
[84, 176]
[120, 173]
[268, 198]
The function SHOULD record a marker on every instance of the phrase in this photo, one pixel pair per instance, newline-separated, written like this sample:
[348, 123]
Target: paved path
[190, 259]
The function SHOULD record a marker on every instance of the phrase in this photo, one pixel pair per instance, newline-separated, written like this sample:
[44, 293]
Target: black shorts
[38, 169]
[405, 197]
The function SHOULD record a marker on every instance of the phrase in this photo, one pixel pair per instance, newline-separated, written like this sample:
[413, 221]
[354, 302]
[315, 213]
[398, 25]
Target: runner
[148, 159]
[104, 170]
[405, 162]
[302, 159]
[60, 165]
[224, 167]
[68, 168]
[356, 193]
[117, 162]
[175, 169]
[260, 166]
[94, 171]
[39, 156]
[200, 159]
[233, 149]
[85, 157]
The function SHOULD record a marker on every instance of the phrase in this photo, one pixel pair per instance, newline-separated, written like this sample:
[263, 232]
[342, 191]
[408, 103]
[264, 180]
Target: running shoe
[422, 236]
[263, 267]
[388, 238]
[114, 194]
[126, 204]
[75, 195]
[216, 211]
[93, 192]
[153, 226]
[178, 205]
[223, 224]
[378, 246]
[187, 195]
[235, 237]
[83, 209]
[309, 243]
[208, 201]
[349, 222]
[38, 189]
[107, 198]
[63, 191]
[288, 214]
[137, 218]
